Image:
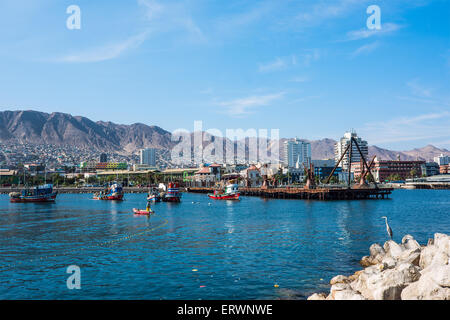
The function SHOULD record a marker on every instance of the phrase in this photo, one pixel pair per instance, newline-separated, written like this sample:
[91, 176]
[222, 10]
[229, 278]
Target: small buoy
[194, 270]
[276, 286]
[202, 286]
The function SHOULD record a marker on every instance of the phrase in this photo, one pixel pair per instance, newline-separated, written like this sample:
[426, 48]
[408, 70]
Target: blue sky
[310, 68]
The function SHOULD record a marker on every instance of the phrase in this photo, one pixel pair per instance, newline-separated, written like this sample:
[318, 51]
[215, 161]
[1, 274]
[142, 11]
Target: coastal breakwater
[406, 271]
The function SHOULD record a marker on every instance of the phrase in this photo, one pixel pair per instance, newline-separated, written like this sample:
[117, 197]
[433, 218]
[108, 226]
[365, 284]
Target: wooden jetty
[310, 194]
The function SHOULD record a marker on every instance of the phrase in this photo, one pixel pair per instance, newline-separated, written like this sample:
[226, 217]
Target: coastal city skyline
[312, 69]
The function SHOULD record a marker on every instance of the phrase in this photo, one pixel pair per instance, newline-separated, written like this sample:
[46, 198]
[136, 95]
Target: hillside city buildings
[16, 160]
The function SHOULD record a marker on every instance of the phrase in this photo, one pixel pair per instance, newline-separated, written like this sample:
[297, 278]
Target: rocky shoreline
[406, 271]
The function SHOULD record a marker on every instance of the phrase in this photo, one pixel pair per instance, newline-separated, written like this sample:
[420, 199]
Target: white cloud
[365, 49]
[167, 16]
[419, 90]
[276, 65]
[244, 106]
[106, 52]
[321, 11]
[420, 127]
[386, 28]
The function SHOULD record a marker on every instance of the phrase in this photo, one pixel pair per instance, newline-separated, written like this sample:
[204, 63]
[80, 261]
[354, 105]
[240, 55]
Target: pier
[310, 194]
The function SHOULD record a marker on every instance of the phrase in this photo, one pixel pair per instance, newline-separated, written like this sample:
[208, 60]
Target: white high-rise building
[297, 153]
[148, 157]
[442, 160]
[341, 145]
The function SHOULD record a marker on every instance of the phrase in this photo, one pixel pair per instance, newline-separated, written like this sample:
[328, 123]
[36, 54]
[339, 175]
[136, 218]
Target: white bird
[388, 228]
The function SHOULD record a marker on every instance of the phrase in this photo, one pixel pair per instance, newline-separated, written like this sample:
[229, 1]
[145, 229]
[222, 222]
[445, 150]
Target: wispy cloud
[323, 10]
[365, 49]
[278, 64]
[167, 16]
[244, 106]
[386, 28]
[416, 128]
[106, 52]
[418, 89]
[305, 59]
[300, 79]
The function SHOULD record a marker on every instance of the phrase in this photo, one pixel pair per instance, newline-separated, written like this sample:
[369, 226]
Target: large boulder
[375, 284]
[393, 249]
[318, 296]
[442, 242]
[427, 288]
[411, 256]
[343, 291]
[409, 243]
[339, 279]
[434, 255]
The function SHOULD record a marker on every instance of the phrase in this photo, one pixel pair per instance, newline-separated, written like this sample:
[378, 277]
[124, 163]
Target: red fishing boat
[231, 193]
[173, 193]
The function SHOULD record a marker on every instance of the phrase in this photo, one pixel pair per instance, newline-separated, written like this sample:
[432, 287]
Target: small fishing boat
[173, 193]
[154, 196]
[231, 193]
[42, 193]
[113, 192]
[143, 212]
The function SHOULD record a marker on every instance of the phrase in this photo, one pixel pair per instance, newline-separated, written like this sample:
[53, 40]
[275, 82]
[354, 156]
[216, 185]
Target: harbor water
[200, 248]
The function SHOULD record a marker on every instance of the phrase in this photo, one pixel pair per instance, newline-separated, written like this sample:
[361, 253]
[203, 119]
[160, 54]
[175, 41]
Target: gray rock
[411, 256]
[393, 249]
[442, 242]
[409, 243]
[317, 296]
[425, 289]
[389, 262]
[348, 295]
[339, 279]
[441, 275]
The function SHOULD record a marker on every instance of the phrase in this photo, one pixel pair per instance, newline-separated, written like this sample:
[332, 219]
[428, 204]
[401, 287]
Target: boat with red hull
[143, 212]
[225, 196]
[42, 193]
[231, 193]
[173, 193]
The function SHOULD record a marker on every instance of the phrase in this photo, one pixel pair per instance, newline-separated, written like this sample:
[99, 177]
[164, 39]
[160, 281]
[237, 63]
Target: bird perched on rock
[388, 228]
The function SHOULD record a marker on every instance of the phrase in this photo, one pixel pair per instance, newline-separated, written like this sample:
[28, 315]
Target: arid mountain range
[35, 127]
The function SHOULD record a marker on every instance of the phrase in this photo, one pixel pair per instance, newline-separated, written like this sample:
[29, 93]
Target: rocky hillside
[64, 129]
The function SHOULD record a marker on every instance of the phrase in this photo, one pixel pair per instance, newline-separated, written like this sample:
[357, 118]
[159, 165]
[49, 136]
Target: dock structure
[310, 194]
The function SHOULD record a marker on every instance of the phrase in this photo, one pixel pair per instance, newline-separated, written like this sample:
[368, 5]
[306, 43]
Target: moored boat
[173, 193]
[42, 193]
[231, 193]
[113, 192]
[154, 196]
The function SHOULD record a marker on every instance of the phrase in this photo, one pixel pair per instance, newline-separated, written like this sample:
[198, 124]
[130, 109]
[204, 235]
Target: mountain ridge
[57, 128]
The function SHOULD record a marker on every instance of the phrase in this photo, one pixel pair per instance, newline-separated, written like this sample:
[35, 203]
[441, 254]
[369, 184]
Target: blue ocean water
[200, 248]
